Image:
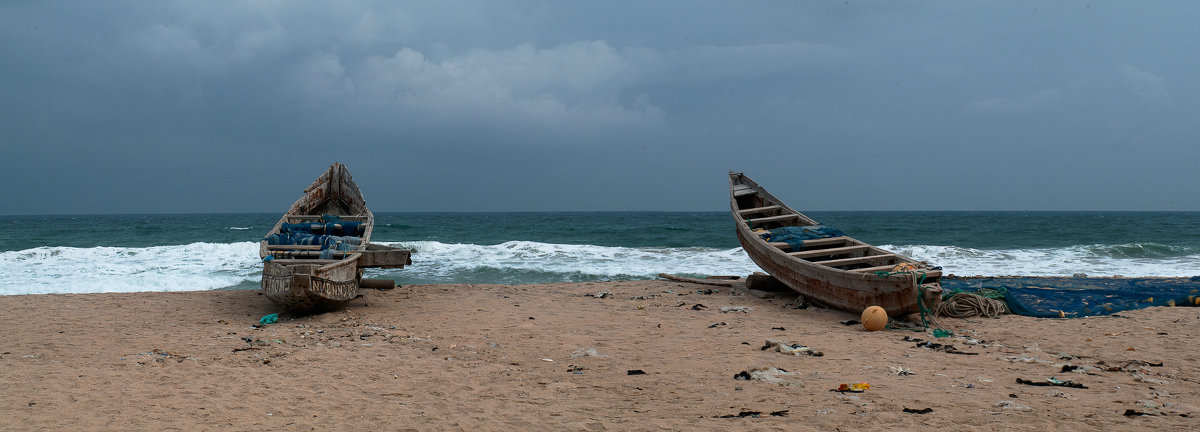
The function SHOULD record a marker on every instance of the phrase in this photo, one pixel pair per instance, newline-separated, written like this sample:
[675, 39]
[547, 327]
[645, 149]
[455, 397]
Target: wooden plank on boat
[294, 247]
[289, 261]
[772, 218]
[874, 269]
[825, 241]
[758, 210]
[813, 242]
[314, 218]
[312, 254]
[856, 260]
[381, 256]
[741, 191]
[830, 251]
[319, 227]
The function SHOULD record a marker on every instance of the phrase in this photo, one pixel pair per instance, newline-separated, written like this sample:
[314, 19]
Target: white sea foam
[1049, 261]
[237, 228]
[442, 261]
[203, 266]
[196, 266]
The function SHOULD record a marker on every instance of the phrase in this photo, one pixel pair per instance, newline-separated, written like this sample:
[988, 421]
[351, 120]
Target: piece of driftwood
[765, 282]
[837, 271]
[379, 284]
[305, 279]
[714, 282]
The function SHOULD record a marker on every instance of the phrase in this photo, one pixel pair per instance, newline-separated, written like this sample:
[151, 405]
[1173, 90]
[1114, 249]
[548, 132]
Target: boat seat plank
[289, 261]
[772, 218]
[758, 210]
[874, 269]
[310, 218]
[741, 191]
[294, 247]
[813, 242]
[829, 251]
[825, 241]
[856, 260]
[310, 254]
[929, 274]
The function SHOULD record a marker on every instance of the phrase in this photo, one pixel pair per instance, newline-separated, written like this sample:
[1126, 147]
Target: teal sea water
[130, 253]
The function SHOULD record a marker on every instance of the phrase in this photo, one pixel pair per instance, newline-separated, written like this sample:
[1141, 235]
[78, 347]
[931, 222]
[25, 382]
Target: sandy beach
[644, 355]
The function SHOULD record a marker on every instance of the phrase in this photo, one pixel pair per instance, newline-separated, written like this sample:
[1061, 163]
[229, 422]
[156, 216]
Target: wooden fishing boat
[822, 263]
[314, 256]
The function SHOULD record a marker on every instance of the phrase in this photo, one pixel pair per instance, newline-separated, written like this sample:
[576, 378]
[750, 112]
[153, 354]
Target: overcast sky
[205, 106]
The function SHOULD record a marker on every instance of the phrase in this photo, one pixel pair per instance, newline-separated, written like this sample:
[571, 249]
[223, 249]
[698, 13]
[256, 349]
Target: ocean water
[135, 253]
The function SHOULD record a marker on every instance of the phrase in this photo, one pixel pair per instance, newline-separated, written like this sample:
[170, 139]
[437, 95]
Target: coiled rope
[967, 305]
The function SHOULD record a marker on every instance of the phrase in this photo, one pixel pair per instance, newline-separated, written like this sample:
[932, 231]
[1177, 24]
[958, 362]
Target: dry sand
[550, 357]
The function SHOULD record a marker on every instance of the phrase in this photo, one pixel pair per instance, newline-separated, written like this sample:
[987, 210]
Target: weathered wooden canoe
[314, 256]
[821, 263]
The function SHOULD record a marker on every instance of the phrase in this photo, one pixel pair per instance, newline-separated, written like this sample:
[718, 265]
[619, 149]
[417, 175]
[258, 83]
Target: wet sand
[562, 357]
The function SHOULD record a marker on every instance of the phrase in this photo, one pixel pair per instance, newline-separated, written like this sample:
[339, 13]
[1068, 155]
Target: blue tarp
[795, 236]
[328, 228]
[344, 243]
[330, 233]
[1053, 297]
[315, 233]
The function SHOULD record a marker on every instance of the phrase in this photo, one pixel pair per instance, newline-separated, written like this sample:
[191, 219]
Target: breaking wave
[1131, 260]
[191, 267]
[534, 262]
[207, 266]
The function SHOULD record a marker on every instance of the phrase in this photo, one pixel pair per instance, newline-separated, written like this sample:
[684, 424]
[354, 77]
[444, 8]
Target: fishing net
[795, 236]
[1068, 297]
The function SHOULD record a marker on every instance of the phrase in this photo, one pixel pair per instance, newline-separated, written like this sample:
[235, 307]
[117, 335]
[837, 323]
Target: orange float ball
[874, 318]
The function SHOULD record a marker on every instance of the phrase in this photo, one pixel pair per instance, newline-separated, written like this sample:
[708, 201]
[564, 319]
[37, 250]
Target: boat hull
[897, 294]
[311, 287]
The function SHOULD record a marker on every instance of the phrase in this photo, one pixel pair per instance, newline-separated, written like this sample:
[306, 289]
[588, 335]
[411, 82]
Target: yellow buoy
[874, 318]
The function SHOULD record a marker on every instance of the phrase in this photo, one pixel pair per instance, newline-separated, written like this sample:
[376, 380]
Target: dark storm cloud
[197, 106]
